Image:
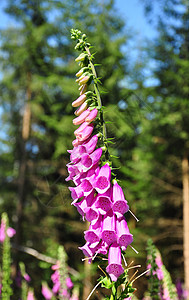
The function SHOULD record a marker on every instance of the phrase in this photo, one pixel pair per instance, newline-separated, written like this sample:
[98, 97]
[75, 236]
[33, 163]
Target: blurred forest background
[146, 100]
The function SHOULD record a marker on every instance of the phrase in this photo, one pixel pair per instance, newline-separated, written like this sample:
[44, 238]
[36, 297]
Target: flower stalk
[6, 290]
[97, 195]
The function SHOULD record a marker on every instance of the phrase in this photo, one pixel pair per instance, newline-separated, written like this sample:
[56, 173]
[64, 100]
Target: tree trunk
[185, 181]
[23, 161]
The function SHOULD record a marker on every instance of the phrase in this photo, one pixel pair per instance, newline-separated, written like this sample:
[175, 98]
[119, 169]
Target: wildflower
[120, 206]
[79, 120]
[102, 182]
[181, 292]
[46, 292]
[100, 203]
[26, 277]
[69, 283]
[30, 295]
[114, 267]
[81, 109]
[10, 232]
[79, 101]
[92, 116]
[2, 231]
[83, 134]
[108, 228]
[84, 80]
[124, 236]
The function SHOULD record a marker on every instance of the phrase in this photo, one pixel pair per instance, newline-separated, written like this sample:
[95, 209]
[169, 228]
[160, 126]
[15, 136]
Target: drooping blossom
[114, 267]
[30, 295]
[46, 292]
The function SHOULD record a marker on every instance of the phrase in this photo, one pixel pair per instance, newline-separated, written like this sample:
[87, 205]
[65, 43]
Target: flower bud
[81, 57]
[81, 109]
[79, 120]
[85, 79]
[92, 116]
[78, 74]
[79, 101]
[83, 89]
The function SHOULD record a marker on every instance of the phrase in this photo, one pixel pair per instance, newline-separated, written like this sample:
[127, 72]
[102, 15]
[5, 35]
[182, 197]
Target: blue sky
[131, 11]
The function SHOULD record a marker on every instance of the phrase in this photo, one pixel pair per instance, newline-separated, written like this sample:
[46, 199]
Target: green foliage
[121, 289]
[37, 62]
[159, 283]
[24, 287]
[154, 283]
[62, 258]
[6, 290]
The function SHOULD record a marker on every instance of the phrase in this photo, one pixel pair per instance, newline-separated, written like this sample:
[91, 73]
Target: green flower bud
[81, 57]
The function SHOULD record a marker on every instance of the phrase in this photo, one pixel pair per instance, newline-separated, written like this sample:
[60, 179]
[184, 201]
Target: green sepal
[106, 282]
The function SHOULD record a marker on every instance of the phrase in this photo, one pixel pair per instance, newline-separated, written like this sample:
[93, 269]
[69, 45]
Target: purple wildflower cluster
[57, 288]
[182, 293]
[98, 200]
[159, 271]
[10, 231]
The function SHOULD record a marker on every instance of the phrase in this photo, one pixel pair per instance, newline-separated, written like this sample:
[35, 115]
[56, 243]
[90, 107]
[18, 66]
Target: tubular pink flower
[2, 232]
[79, 100]
[91, 144]
[27, 277]
[114, 268]
[92, 116]
[81, 128]
[56, 287]
[83, 135]
[69, 283]
[102, 182]
[91, 213]
[87, 251]
[81, 109]
[73, 171]
[84, 189]
[125, 238]
[102, 248]
[76, 193]
[104, 203]
[87, 146]
[93, 235]
[81, 207]
[30, 296]
[120, 205]
[11, 232]
[108, 229]
[46, 292]
[76, 153]
[55, 267]
[76, 143]
[79, 120]
[88, 161]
